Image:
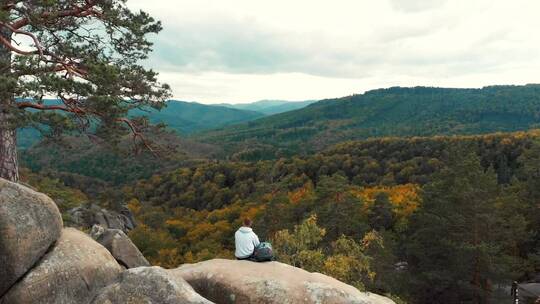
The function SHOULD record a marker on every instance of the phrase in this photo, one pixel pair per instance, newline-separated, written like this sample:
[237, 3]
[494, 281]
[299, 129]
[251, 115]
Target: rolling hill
[397, 111]
[180, 116]
[188, 117]
[271, 107]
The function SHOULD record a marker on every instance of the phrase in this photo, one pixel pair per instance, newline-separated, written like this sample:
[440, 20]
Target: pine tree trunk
[9, 168]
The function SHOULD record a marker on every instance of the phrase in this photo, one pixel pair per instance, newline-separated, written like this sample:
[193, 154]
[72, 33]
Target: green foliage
[299, 248]
[270, 107]
[88, 57]
[379, 203]
[393, 161]
[112, 163]
[419, 111]
[530, 174]
[344, 260]
[27, 137]
[65, 197]
[380, 213]
[190, 117]
[179, 116]
[154, 244]
[461, 243]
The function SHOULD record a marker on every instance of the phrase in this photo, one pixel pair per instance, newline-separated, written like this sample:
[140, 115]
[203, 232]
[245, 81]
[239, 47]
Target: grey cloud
[242, 46]
[246, 47]
[217, 48]
[416, 5]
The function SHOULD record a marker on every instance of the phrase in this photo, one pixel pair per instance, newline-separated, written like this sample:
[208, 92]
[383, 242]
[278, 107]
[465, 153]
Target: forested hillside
[188, 117]
[449, 218]
[450, 208]
[116, 163]
[271, 107]
[355, 211]
[419, 111]
[179, 116]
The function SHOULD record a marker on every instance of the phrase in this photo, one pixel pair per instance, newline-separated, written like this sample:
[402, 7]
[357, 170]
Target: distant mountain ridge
[181, 116]
[396, 111]
[271, 107]
[188, 117]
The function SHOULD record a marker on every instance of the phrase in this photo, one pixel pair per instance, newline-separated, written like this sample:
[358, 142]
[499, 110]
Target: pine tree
[456, 249]
[529, 175]
[85, 54]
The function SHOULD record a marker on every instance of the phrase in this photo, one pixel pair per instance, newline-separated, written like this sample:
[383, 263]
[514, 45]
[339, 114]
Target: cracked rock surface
[149, 285]
[239, 282]
[120, 246]
[30, 223]
[72, 272]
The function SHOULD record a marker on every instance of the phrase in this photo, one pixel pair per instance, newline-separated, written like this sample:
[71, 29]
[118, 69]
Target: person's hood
[245, 229]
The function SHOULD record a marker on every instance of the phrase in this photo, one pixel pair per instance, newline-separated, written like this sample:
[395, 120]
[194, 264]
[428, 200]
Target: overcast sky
[236, 51]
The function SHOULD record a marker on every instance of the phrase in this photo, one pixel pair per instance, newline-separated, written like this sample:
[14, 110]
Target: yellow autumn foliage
[295, 197]
[405, 199]
[134, 206]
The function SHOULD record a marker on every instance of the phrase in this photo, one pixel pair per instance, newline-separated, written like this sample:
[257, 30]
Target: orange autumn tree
[405, 199]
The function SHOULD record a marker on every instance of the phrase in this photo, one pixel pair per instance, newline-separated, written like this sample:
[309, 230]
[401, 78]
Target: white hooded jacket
[245, 240]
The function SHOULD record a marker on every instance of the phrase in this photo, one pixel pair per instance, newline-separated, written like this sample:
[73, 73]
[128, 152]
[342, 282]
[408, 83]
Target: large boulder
[228, 281]
[72, 272]
[29, 224]
[149, 285]
[120, 246]
[87, 216]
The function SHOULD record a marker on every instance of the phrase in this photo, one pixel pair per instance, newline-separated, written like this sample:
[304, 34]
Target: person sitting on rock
[246, 241]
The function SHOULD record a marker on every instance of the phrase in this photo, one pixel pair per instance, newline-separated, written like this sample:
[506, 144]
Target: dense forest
[419, 111]
[115, 162]
[425, 219]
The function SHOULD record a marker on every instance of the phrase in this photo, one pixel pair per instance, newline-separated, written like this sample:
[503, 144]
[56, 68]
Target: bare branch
[17, 31]
[137, 134]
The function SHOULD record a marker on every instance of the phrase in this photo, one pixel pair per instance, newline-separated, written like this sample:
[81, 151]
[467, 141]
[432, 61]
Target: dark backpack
[263, 252]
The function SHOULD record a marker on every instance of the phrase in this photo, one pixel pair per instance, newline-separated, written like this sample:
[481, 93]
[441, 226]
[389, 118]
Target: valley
[378, 191]
[283, 152]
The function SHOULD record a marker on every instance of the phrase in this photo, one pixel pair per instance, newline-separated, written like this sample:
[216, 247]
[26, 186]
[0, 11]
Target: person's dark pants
[249, 258]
